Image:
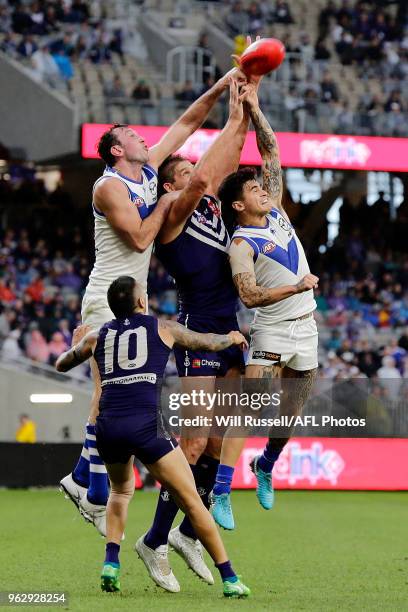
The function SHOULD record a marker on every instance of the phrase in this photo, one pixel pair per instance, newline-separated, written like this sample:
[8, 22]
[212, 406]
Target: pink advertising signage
[297, 150]
[332, 463]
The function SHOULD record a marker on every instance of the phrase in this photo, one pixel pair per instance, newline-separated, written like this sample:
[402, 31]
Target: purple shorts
[120, 437]
[205, 363]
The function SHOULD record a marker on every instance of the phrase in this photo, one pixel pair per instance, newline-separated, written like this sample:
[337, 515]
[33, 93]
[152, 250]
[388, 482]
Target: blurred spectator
[256, 20]
[282, 13]
[21, 19]
[206, 59]
[187, 93]
[5, 19]
[10, 349]
[328, 89]
[99, 52]
[327, 13]
[306, 48]
[394, 102]
[45, 67]
[64, 65]
[37, 347]
[322, 53]
[27, 46]
[9, 44]
[114, 89]
[6, 292]
[237, 19]
[26, 432]
[56, 347]
[141, 91]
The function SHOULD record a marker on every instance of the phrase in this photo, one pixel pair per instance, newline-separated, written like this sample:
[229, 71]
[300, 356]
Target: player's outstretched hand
[236, 75]
[310, 281]
[79, 333]
[236, 111]
[238, 338]
[249, 94]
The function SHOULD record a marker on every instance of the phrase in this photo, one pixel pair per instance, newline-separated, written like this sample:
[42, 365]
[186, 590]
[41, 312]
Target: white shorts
[288, 343]
[95, 311]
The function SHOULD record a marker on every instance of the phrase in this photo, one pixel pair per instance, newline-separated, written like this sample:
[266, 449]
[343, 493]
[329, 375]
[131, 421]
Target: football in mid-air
[262, 56]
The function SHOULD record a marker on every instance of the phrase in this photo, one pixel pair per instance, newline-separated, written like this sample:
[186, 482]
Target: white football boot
[157, 564]
[93, 514]
[192, 552]
[72, 490]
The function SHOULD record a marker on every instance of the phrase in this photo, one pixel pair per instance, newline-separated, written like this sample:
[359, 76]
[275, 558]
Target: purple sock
[226, 571]
[166, 511]
[223, 479]
[268, 458]
[204, 476]
[112, 553]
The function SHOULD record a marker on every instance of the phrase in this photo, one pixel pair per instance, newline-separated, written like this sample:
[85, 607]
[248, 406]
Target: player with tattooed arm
[271, 273]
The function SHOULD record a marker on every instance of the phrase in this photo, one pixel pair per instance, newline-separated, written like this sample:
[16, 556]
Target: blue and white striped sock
[81, 471]
[98, 490]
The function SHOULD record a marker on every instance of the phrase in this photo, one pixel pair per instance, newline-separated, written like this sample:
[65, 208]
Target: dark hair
[120, 297]
[230, 190]
[166, 172]
[107, 141]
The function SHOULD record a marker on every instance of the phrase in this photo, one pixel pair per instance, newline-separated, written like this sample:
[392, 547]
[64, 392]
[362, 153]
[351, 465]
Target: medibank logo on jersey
[296, 463]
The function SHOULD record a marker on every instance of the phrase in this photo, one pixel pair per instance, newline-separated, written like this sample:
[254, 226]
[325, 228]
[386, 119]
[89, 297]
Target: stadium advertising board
[332, 463]
[296, 150]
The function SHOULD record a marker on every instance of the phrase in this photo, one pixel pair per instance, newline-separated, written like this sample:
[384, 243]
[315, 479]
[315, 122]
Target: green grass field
[314, 551]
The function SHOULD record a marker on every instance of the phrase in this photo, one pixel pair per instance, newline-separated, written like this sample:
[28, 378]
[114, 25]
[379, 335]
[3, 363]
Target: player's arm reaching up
[191, 119]
[269, 150]
[252, 295]
[214, 165]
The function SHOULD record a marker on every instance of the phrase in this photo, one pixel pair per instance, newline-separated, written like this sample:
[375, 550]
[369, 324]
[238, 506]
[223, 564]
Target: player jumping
[131, 353]
[271, 273]
[192, 246]
[127, 220]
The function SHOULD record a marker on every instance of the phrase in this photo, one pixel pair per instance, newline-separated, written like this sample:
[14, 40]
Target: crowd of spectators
[370, 36]
[49, 35]
[362, 297]
[252, 18]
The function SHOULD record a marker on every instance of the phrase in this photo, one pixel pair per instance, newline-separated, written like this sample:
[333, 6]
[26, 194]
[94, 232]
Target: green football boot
[110, 582]
[236, 589]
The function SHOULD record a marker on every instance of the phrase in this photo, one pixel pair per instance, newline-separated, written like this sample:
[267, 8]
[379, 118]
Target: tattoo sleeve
[268, 148]
[253, 295]
[194, 340]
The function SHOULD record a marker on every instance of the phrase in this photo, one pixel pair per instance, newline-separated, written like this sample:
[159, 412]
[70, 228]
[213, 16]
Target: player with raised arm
[127, 219]
[192, 246]
[271, 273]
[131, 352]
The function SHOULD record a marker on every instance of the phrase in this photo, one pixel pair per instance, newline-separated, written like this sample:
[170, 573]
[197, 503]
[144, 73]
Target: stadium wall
[16, 388]
[36, 465]
[34, 118]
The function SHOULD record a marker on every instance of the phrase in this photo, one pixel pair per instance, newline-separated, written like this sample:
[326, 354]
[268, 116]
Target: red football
[262, 56]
